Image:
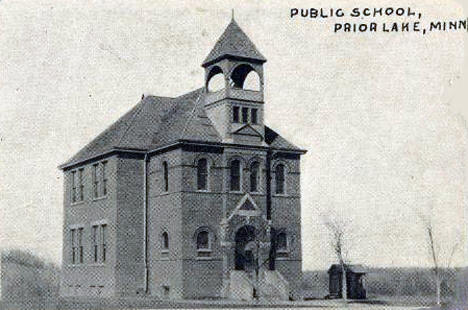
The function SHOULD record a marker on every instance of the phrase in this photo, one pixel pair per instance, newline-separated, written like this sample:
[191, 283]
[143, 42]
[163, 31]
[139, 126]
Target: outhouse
[354, 281]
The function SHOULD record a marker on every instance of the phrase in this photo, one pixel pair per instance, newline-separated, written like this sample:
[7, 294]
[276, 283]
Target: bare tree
[438, 259]
[338, 231]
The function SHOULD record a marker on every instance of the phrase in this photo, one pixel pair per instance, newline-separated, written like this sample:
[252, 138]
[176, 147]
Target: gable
[247, 206]
[247, 130]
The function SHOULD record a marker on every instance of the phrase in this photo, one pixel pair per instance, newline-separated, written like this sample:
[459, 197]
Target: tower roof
[233, 42]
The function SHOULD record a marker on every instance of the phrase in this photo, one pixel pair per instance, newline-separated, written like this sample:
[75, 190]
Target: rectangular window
[95, 243]
[73, 181]
[95, 181]
[245, 115]
[235, 114]
[104, 178]
[253, 116]
[202, 174]
[166, 176]
[80, 245]
[73, 246]
[235, 175]
[103, 242]
[80, 183]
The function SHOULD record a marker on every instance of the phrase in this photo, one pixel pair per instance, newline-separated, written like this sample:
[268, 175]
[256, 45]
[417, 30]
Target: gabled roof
[233, 42]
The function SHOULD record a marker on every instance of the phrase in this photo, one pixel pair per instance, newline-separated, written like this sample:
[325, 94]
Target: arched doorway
[244, 252]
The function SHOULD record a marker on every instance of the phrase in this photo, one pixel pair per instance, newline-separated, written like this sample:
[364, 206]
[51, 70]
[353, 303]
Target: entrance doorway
[244, 254]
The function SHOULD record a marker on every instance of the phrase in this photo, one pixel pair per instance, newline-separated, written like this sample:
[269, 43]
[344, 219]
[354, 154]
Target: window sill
[256, 193]
[235, 192]
[280, 195]
[77, 203]
[282, 254]
[204, 258]
[99, 198]
[76, 265]
[202, 190]
[164, 251]
[97, 265]
[204, 250]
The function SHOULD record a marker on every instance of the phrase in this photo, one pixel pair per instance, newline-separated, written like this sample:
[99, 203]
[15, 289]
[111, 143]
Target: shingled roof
[160, 121]
[233, 42]
[154, 122]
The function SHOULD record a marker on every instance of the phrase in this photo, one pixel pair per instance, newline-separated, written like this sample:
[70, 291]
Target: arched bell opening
[245, 77]
[215, 80]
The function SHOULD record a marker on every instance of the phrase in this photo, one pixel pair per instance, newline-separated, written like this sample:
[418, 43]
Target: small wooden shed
[355, 285]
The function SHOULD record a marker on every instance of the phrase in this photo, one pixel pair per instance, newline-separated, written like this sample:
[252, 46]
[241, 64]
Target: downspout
[145, 221]
[272, 253]
[268, 184]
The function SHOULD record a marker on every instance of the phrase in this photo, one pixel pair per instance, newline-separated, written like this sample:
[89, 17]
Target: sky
[383, 116]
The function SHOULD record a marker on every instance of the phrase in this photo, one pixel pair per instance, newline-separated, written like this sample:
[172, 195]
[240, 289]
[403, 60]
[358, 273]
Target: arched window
[279, 178]
[202, 174]
[254, 176]
[215, 80]
[165, 241]
[282, 242]
[203, 240]
[235, 175]
[245, 77]
[166, 176]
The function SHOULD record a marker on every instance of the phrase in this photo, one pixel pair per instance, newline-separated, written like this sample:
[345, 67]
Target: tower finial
[232, 14]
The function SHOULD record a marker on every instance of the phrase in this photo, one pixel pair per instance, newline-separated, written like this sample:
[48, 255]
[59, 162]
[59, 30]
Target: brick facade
[152, 213]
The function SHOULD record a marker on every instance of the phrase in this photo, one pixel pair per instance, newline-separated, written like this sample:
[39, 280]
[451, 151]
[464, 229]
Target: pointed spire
[235, 43]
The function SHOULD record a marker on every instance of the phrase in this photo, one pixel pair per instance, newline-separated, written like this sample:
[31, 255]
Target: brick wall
[130, 270]
[90, 278]
[181, 271]
[165, 215]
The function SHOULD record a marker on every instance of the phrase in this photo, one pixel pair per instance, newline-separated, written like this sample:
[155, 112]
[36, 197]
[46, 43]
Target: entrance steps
[271, 285]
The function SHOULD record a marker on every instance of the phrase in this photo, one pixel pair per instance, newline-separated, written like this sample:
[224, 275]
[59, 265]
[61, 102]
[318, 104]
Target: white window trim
[100, 178]
[76, 227]
[75, 186]
[99, 224]
[78, 186]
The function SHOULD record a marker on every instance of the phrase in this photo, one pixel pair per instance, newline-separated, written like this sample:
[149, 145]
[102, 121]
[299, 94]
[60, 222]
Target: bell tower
[234, 87]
